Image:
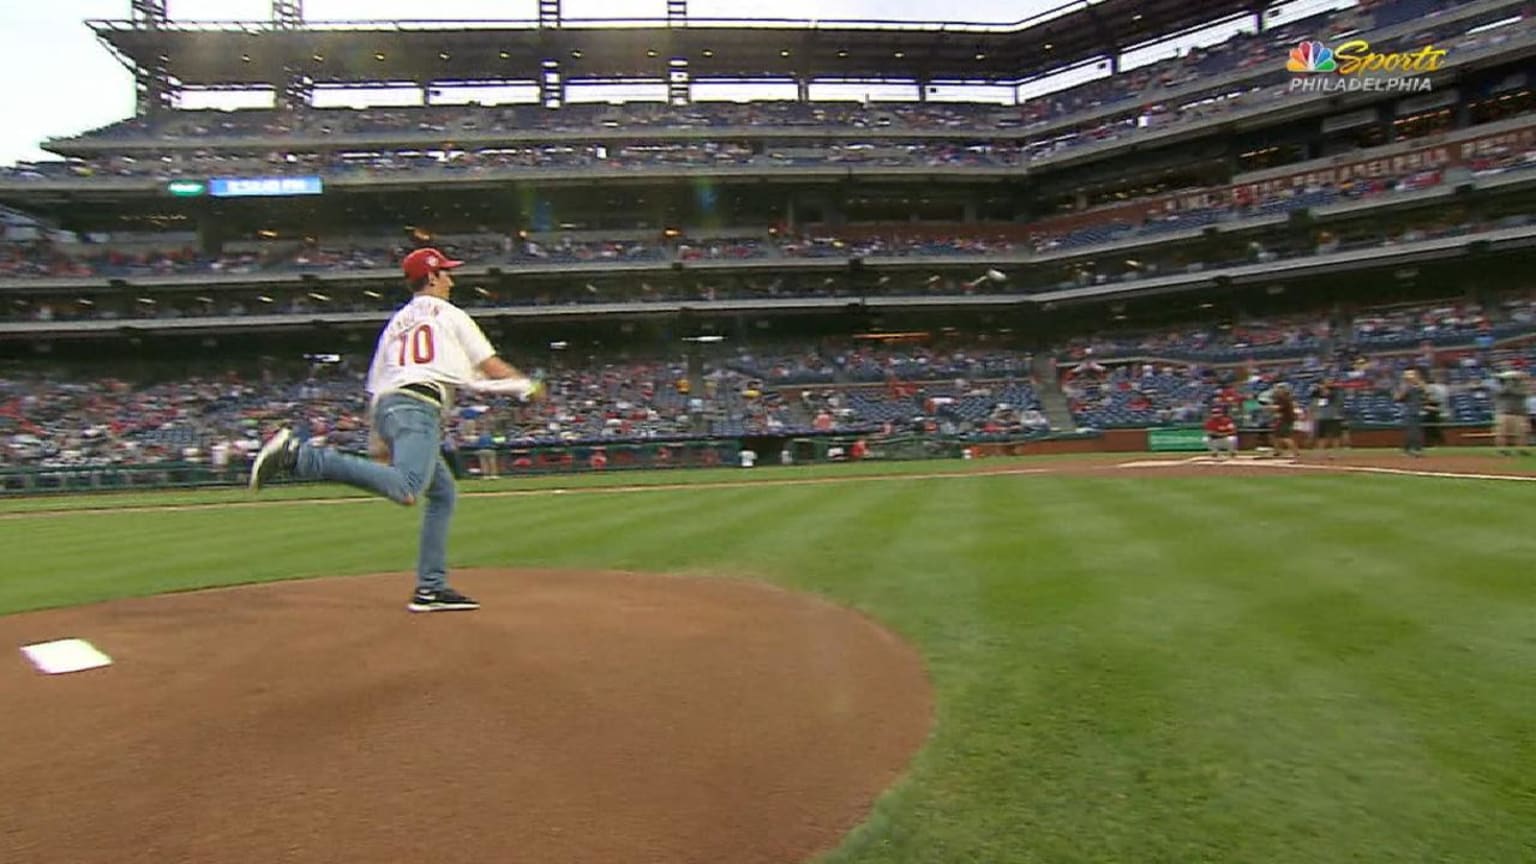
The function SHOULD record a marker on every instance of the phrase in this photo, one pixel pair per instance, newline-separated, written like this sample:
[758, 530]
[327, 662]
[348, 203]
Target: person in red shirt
[1221, 433]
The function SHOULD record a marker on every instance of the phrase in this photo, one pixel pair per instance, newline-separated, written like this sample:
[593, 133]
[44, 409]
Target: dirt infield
[592, 717]
[1436, 465]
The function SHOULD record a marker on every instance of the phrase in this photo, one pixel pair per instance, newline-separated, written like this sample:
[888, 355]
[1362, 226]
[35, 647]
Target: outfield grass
[1129, 668]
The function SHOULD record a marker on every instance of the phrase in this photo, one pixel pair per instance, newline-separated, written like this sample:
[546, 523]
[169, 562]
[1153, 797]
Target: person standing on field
[1411, 395]
[1327, 412]
[1510, 421]
[1437, 407]
[428, 348]
[1285, 422]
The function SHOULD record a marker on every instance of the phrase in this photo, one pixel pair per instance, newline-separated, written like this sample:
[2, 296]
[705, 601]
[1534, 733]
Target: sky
[62, 81]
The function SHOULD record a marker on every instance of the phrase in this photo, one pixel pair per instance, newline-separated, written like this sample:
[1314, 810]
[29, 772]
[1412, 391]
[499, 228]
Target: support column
[549, 14]
[679, 82]
[551, 85]
[803, 86]
[297, 91]
[148, 14]
[288, 14]
[154, 95]
[210, 235]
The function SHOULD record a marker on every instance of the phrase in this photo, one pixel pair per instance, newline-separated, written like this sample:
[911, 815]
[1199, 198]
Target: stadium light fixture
[843, 53]
[576, 55]
[318, 57]
[1049, 46]
[708, 53]
[373, 295]
[379, 56]
[504, 55]
[245, 58]
[442, 55]
[981, 55]
[784, 53]
[899, 55]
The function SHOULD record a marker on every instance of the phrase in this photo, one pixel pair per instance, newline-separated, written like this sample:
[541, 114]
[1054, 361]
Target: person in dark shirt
[1509, 412]
[1285, 422]
[1328, 414]
[1410, 394]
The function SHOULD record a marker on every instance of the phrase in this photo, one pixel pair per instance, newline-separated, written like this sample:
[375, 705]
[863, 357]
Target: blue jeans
[413, 430]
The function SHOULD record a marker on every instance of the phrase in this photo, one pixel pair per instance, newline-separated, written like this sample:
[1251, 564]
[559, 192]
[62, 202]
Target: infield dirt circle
[578, 717]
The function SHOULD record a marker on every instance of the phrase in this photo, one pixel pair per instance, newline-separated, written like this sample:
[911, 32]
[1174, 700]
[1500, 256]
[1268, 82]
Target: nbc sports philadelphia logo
[1353, 66]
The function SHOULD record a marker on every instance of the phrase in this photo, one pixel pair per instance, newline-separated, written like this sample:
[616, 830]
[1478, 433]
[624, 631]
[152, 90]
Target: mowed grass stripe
[1344, 643]
[941, 530]
[667, 531]
[1124, 730]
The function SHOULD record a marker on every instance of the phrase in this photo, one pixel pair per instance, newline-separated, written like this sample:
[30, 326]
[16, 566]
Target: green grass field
[1129, 668]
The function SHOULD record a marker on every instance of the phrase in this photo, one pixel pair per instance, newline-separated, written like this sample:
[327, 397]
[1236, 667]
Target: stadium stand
[1200, 173]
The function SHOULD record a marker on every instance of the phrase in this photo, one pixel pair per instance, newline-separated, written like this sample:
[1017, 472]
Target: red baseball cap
[424, 262]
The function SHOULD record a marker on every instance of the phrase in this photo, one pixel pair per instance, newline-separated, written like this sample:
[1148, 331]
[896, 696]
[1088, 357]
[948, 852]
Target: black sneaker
[441, 600]
[276, 458]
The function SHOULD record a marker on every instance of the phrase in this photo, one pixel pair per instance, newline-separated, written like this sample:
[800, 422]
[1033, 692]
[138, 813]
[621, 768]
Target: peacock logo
[1311, 56]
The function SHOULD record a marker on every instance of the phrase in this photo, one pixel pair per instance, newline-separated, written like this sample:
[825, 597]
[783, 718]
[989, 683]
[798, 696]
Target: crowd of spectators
[840, 362]
[62, 420]
[1174, 376]
[57, 259]
[967, 388]
[654, 285]
[56, 420]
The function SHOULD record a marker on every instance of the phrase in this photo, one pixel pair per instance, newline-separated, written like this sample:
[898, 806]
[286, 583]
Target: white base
[65, 655]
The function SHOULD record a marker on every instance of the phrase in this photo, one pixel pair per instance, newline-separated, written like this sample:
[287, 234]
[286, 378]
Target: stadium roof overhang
[255, 53]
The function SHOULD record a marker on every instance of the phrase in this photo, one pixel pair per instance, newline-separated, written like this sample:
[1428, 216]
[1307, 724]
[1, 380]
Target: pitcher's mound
[578, 717]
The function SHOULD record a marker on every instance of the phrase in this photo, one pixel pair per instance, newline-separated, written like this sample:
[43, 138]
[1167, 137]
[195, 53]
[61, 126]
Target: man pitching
[427, 348]
[1221, 434]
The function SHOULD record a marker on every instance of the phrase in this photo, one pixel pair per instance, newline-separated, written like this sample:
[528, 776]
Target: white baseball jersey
[428, 340]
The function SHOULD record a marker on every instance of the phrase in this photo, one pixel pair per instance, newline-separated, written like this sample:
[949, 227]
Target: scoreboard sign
[250, 187]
